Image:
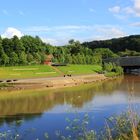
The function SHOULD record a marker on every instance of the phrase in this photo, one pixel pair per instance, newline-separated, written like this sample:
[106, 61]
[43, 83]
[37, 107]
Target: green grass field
[80, 69]
[45, 71]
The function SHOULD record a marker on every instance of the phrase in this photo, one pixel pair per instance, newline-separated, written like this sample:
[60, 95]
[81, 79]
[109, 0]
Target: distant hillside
[116, 45]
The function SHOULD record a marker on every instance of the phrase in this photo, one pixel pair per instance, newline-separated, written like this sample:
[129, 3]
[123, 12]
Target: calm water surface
[46, 111]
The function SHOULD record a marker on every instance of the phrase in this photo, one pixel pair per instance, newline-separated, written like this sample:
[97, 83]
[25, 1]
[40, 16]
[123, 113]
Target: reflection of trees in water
[111, 85]
[31, 104]
[79, 98]
[130, 81]
[16, 120]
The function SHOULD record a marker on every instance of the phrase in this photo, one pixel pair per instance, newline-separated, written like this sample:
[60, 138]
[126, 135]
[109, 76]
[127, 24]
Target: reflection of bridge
[128, 63]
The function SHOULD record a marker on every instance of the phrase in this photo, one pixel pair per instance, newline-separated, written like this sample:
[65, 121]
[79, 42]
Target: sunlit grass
[27, 72]
[80, 69]
[45, 71]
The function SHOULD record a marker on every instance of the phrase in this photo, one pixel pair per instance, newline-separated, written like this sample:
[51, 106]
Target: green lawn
[80, 69]
[45, 71]
[27, 72]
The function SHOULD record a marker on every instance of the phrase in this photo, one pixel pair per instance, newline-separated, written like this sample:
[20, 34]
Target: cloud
[57, 28]
[51, 41]
[10, 32]
[136, 24]
[137, 7]
[108, 32]
[128, 10]
[59, 35]
[115, 9]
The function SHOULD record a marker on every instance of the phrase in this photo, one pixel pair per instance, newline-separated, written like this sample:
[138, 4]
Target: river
[33, 114]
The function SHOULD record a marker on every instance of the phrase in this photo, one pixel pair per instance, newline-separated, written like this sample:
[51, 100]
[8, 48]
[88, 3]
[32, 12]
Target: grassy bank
[111, 74]
[45, 71]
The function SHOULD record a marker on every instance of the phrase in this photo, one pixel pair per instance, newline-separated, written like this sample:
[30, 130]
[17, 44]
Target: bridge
[128, 63]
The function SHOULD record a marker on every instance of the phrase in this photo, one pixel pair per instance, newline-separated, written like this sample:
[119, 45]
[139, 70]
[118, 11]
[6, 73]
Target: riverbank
[53, 83]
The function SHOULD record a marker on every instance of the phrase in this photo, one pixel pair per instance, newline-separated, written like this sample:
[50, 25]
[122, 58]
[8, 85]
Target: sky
[58, 21]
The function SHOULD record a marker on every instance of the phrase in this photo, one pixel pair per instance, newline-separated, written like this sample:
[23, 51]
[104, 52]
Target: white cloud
[59, 35]
[57, 28]
[137, 7]
[129, 10]
[51, 41]
[108, 32]
[136, 24]
[115, 9]
[10, 32]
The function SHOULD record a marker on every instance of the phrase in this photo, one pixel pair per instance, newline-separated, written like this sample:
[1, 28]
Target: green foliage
[112, 70]
[105, 53]
[128, 53]
[32, 50]
[121, 127]
[14, 59]
[78, 130]
[117, 45]
[23, 58]
[108, 67]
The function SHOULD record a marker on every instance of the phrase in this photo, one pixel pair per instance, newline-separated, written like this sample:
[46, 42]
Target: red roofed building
[48, 60]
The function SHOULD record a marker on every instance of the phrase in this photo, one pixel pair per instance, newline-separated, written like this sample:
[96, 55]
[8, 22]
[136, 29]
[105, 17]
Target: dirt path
[55, 82]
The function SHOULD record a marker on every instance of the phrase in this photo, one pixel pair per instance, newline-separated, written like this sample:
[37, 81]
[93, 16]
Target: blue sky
[57, 21]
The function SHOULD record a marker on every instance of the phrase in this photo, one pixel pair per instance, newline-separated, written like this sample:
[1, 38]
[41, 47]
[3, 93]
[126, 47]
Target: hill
[116, 45]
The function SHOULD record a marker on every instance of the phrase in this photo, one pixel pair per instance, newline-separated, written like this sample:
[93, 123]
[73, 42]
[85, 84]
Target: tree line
[131, 43]
[29, 50]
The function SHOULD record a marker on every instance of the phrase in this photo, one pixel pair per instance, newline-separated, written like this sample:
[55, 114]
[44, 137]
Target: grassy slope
[45, 71]
[27, 72]
[80, 69]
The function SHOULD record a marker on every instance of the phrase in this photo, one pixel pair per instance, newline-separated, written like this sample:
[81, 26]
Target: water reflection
[32, 104]
[49, 109]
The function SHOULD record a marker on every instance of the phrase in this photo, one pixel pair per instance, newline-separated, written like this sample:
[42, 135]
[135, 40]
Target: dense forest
[30, 50]
[117, 45]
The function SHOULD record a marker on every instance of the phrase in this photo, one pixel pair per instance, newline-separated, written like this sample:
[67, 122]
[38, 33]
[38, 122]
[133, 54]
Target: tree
[4, 59]
[37, 58]
[22, 58]
[14, 59]
[105, 53]
[17, 45]
[30, 58]
[71, 41]
[7, 46]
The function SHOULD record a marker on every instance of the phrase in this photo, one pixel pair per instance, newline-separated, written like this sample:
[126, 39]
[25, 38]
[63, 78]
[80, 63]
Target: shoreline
[54, 82]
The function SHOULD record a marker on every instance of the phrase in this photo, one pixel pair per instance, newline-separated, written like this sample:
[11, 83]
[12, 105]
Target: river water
[33, 114]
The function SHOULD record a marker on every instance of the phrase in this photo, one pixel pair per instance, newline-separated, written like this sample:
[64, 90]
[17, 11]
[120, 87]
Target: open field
[27, 72]
[80, 69]
[39, 71]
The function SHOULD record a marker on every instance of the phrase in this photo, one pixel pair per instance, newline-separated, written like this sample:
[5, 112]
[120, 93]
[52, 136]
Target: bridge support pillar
[127, 70]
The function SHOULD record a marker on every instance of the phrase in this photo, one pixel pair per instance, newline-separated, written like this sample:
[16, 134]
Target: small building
[48, 60]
